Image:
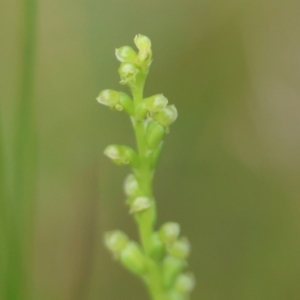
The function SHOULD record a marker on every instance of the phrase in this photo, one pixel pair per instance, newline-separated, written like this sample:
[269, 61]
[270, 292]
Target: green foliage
[161, 258]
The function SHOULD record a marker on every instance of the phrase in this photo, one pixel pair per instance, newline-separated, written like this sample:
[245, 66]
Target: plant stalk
[22, 204]
[145, 178]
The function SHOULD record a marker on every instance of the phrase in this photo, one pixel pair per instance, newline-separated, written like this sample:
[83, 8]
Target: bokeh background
[230, 169]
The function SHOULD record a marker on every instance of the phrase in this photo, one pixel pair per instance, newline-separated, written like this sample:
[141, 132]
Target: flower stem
[161, 257]
[145, 178]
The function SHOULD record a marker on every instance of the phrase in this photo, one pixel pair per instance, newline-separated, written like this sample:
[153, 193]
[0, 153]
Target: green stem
[143, 172]
[145, 177]
[24, 125]
[22, 205]
[162, 254]
[3, 219]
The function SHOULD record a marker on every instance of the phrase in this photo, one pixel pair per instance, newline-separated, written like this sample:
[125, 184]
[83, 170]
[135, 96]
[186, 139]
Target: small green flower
[142, 42]
[167, 116]
[133, 258]
[121, 155]
[109, 98]
[140, 204]
[185, 283]
[131, 185]
[116, 100]
[116, 241]
[156, 103]
[169, 232]
[126, 54]
[144, 57]
[180, 248]
[128, 73]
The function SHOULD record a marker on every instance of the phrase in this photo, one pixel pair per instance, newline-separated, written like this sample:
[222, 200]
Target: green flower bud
[109, 98]
[156, 103]
[128, 72]
[180, 248]
[140, 204]
[115, 241]
[121, 155]
[185, 283]
[126, 54]
[155, 155]
[166, 116]
[131, 185]
[155, 133]
[144, 56]
[141, 111]
[157, 247]
[142, 42]
[133, 259]
[171, 267]
[169, 232]
[126, 103]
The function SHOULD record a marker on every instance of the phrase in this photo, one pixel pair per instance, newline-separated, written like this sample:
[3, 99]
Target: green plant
[161, 258]
[18, 170]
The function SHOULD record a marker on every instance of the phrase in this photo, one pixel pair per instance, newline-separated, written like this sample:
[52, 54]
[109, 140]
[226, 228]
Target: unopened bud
[154, 134]
[155, 155]
[171, 268]
[128, 72]
[126, 103]
[126, 54]
[121, 155]
[144, 56]
[131, 185]
[180, 248]
[156, 103]
[133, 258]
[141, 111]
[115, 241]
[140, 204]
[157, 247]
[142, 42]
[185, 283]
[169, 232]
[167, 116]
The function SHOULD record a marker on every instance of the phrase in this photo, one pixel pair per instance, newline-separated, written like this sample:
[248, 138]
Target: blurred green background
[230, 169]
